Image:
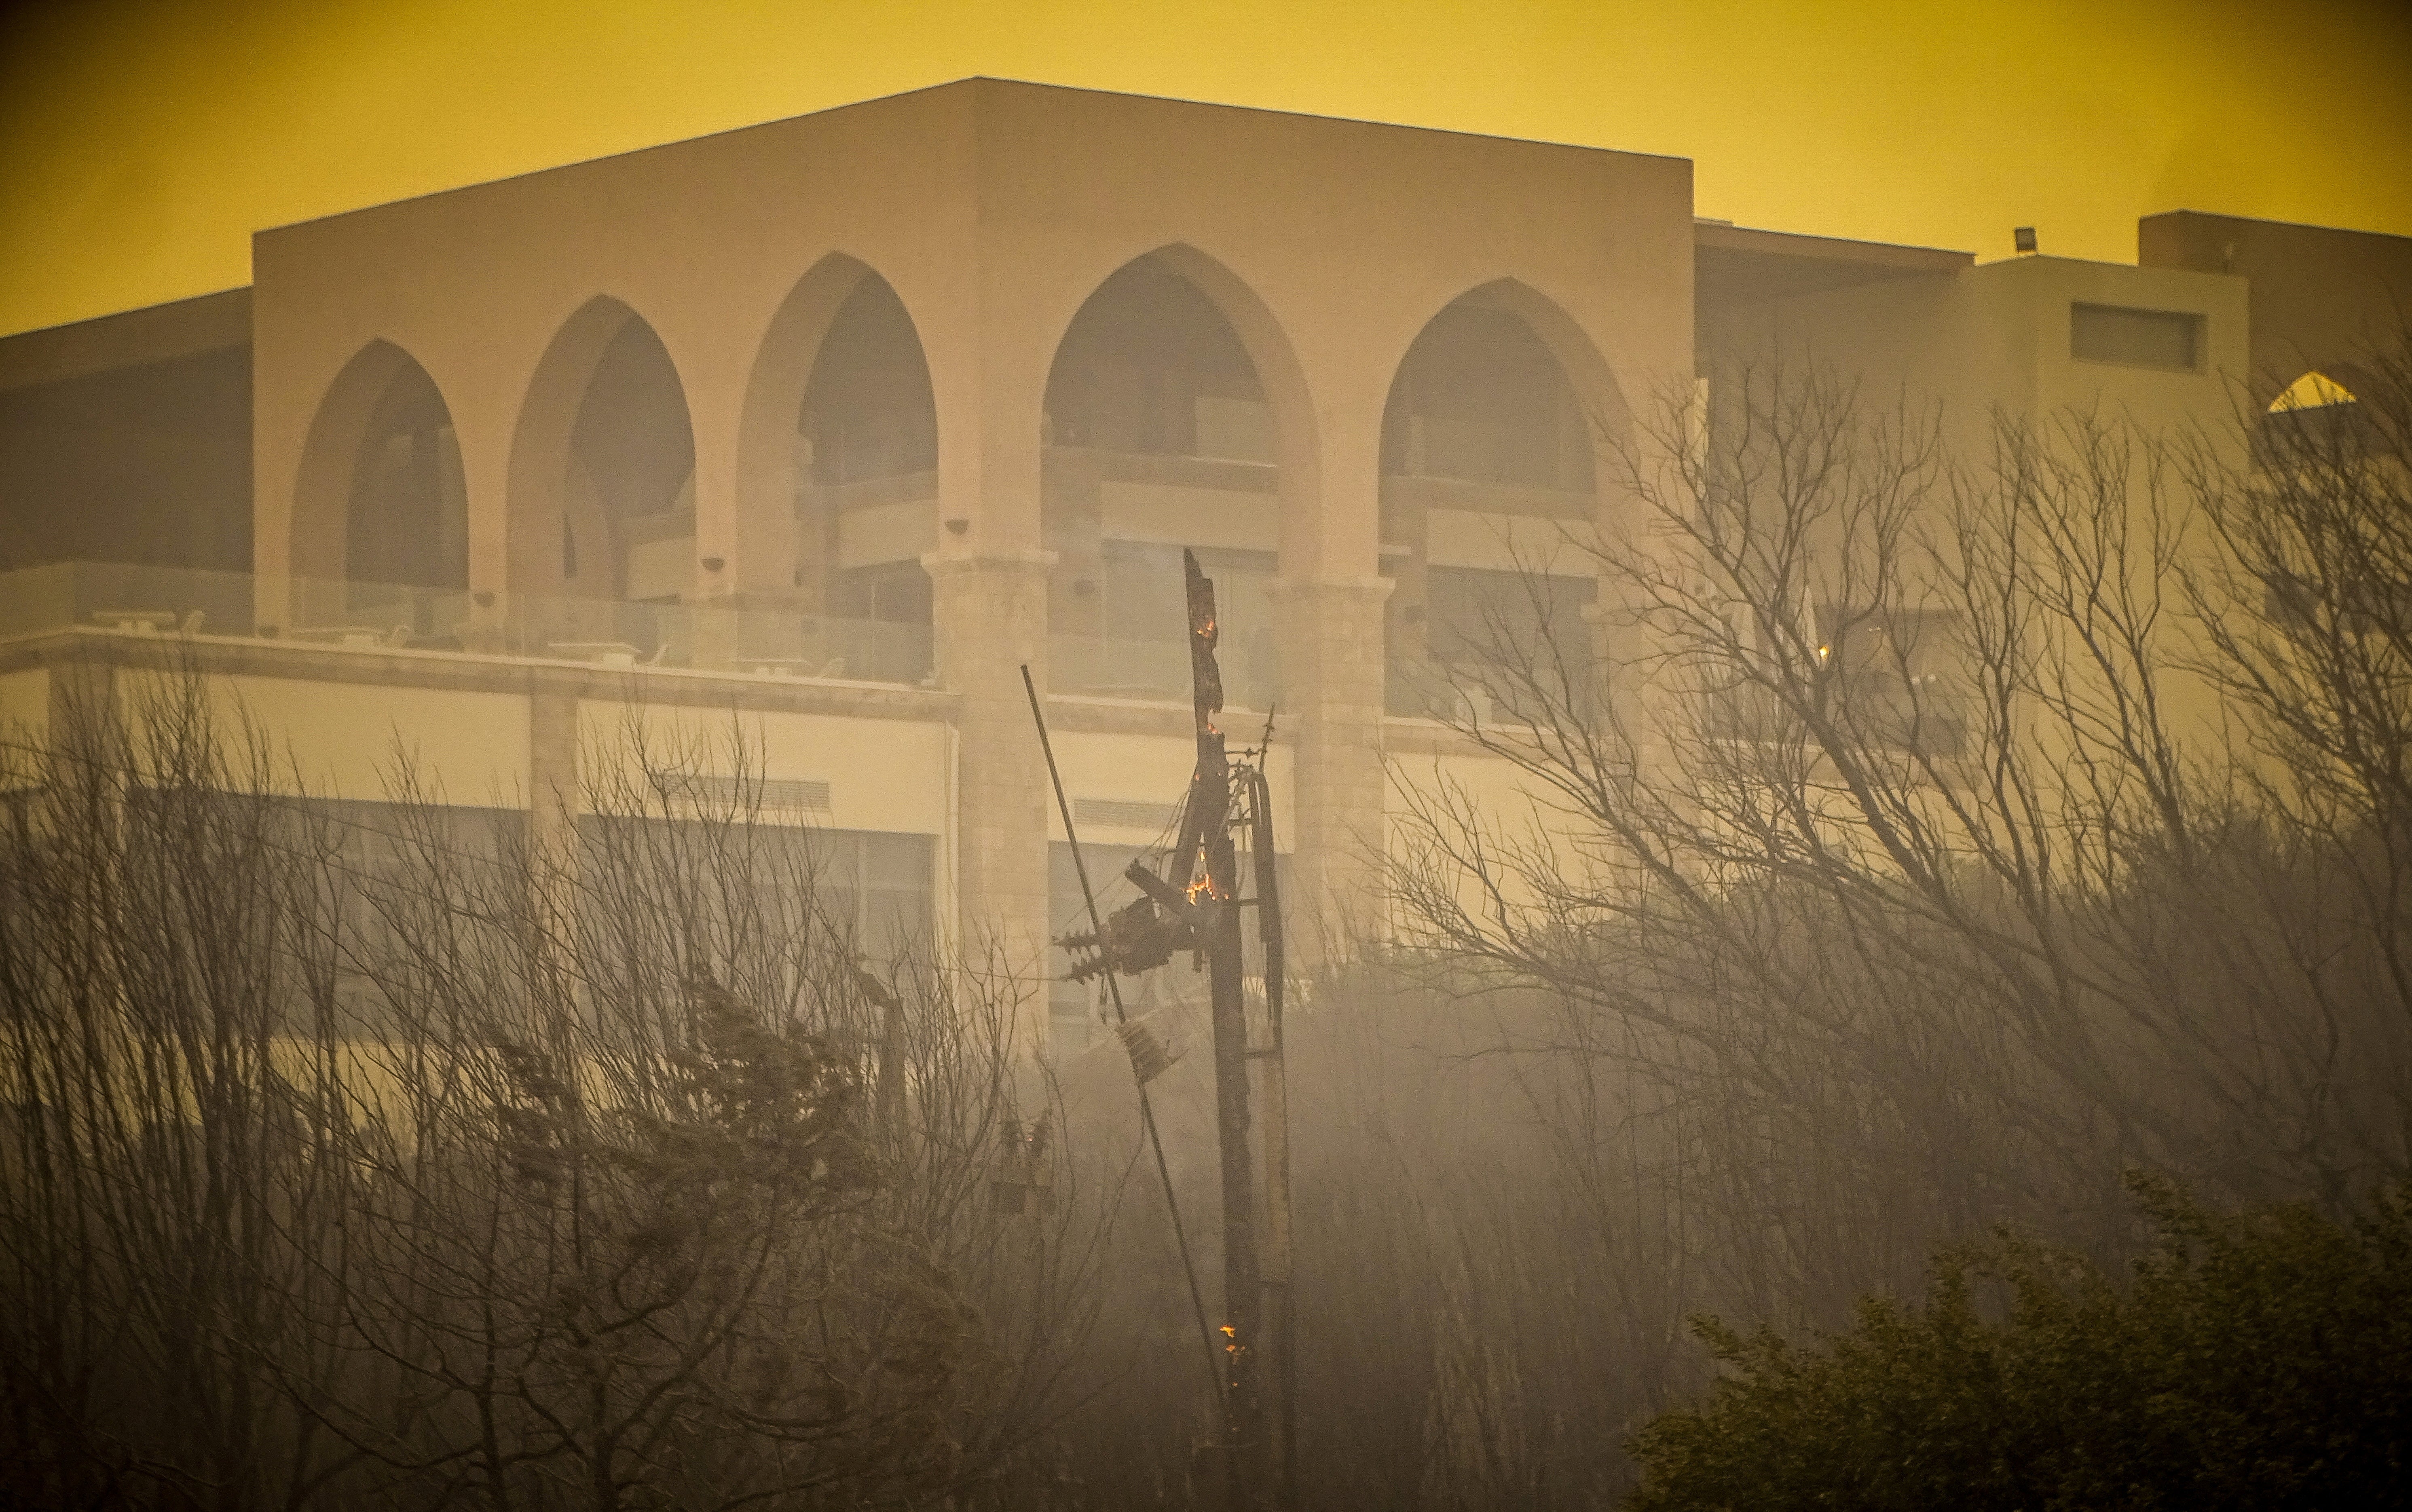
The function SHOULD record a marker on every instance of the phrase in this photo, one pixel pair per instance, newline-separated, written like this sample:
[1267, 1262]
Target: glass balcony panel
[124, 595]
[1114, 667]
[344, 616]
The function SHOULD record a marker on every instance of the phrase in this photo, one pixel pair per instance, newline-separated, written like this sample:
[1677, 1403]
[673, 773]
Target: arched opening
[1488, 503]
[866, 509]
[380, 542]
[408, 521]
[1159, 436]
[2315, 419]
[629, 526]
[2313, 391]
[601, 526]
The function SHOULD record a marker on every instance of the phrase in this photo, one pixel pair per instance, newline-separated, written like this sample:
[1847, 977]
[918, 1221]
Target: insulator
[1149, 1059]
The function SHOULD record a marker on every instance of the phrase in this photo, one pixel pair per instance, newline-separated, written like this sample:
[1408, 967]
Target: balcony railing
[1464, 692]
[1107, 666]
[1871, 712]
[367, 616]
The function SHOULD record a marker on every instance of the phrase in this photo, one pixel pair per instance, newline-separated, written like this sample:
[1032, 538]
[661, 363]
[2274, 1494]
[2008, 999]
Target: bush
[2261, 1358]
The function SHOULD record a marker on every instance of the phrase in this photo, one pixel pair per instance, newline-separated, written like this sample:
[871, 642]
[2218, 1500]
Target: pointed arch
[1295, 441]
[1175, 412]
[602, 467]
[837, 442]
[1492, 440]
[2315, 389]
[1597, 401]
[380, 497]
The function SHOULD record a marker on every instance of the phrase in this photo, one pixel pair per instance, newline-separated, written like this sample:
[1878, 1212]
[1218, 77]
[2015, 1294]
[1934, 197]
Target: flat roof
[1741, 264]
[132, 338]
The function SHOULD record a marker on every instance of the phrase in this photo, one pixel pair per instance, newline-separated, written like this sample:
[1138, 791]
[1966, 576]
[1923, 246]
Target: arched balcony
[1488, 511]
[1158, 435]
[866, 436]
[837, 486]
[380, 530]
[601, 526]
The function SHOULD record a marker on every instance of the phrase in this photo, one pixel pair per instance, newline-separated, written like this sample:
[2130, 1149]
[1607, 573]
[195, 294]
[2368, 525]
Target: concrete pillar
[988, 374]
[990, 614]
[1331, 675]
[714, 353]
[1332, 597]
[481, 428]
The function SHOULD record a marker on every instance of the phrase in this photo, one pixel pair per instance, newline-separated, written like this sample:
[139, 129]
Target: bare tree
[1899, 872]
[155, 944]
[463, 1169]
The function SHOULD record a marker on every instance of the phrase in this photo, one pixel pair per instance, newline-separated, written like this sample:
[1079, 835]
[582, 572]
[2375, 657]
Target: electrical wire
[1114, 991]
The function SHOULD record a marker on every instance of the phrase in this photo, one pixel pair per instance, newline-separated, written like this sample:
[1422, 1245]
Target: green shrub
[2261, 1360]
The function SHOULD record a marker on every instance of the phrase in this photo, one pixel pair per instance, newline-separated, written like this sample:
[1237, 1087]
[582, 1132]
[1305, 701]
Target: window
[1886, 680]
[880, 883]
[2171, 338]
[389, 865]
[891, 593]
[750, 882]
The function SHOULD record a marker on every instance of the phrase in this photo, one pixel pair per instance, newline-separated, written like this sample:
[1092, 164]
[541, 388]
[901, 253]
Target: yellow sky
[142, 141]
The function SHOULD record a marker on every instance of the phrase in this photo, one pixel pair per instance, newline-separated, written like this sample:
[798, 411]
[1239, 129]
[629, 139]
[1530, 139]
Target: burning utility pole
[1208, 817]
[1197, 906]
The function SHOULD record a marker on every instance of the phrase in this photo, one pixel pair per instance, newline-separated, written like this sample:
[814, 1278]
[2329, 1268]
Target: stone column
[1333, 597]
[991, 619]
[1331, 675]
[724, 565]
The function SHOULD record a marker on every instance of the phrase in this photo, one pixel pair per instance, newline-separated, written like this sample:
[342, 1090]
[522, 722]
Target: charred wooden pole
[1246, 1447]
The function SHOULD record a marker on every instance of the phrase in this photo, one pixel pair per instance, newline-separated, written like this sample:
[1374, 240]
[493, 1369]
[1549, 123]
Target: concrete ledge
[1138, 716]
[449, 669]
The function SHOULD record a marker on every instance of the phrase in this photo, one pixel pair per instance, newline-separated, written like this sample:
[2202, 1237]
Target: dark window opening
[409, 517]
[1480, 397]
[892, 593]
[399, 873]
[869, 411]
[2136, 338]
[1898, 676]
[746, 885]
[632, 476]
[1501, 642]
[1150, 366]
